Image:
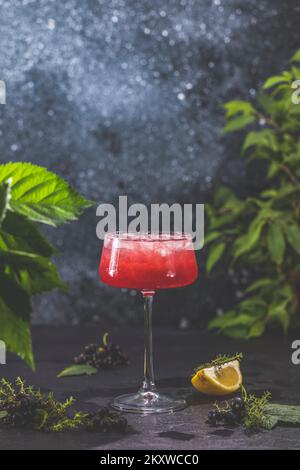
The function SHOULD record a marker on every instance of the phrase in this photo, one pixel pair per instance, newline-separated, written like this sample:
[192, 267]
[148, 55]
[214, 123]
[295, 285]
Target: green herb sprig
[220, 360]
[24, 406]
[249, 411]
[255, 410]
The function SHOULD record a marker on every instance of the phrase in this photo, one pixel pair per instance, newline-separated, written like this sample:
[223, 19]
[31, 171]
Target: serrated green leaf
[37, 280]
[78, 369]
[238, 123]
[35, 273]
[215, 253]
[15, 332]
[25, 236]
[41, 195]
[293, 236]
[5, 195]
[15, 296]
[276, 243]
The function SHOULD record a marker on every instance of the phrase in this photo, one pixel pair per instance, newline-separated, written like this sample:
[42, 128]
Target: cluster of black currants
[232, 415]
[21, 410]
[105, 420]
[102, 357]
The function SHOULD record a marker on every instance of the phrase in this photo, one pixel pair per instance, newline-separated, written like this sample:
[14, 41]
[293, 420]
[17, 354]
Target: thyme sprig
[249, 411]
[255, 410]
[23, 406]
[220, 360]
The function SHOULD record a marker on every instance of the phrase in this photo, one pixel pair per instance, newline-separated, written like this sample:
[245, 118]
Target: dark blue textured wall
[123, 97]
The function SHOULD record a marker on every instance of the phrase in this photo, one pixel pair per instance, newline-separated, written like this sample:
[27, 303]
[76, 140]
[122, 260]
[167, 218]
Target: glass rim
[148, 236]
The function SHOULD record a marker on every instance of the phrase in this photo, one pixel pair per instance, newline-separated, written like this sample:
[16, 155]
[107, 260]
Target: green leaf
[272, 81]
[80, 369]
[215, 253]
[284, 414]
[221, 321]
[238, 123]
[296, 56]
[26, 236]
[259, 284]
[35, 273]
[265, 138]
[3, 414]
[39, 279]
[231, 324]
[293, 236]
[296, 72]
[236, 332]
[222, 195]
[279, 312]
[237, 106]
[5, 195]
[254, 305]
[212, 236]
[15, 296]
[40, 195]
[273, 169]
[15, 332]
[222, 220]
[276, 243]
[257, 329]
[246, 242]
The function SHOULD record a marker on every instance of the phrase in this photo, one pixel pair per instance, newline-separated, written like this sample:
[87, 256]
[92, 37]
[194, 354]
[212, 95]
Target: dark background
[124, 97]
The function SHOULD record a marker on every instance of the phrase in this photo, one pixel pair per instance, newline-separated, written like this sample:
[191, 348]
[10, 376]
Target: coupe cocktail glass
[148, 262]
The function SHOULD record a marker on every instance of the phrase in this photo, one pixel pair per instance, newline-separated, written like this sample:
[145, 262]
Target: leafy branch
[262, 231]
[29, 194]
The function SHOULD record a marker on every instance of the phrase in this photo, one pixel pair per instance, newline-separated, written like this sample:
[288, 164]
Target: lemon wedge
[218, 380]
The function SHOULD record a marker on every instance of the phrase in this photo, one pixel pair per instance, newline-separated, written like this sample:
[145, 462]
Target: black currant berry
[90, 348]
[213, 417]
[237, 406]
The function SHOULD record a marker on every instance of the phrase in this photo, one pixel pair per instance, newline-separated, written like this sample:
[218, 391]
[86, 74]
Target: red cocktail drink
[148, 263]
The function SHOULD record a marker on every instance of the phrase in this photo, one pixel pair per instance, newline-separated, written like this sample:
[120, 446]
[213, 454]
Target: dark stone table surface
[266, 365]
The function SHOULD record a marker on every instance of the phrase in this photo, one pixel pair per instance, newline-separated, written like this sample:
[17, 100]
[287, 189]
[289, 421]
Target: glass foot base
[147, 403]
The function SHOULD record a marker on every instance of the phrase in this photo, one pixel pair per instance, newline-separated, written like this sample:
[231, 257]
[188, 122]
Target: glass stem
[148, 385]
